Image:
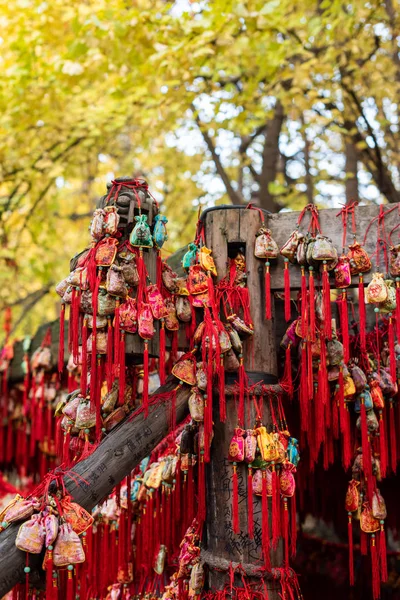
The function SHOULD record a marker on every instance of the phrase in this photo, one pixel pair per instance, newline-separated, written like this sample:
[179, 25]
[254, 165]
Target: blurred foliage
[279, 102]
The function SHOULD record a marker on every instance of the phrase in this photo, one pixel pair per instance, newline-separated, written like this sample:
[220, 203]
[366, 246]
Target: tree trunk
[270, 157]
[351, 183]
[391, 12]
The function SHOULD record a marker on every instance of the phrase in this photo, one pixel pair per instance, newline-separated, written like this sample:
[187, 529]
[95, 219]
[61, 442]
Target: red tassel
[398, 310]
[286, 530]
[84, 369]
[286, 284]
[319, 415]
[110, 362]
[326, 293]
[221, 390]
[116, 334]
[344, 325]
[167, 512]
[250, 506]
[70, 585]
[93, 380]
[323, 385]
[276, 504]
[61, 341]
[268, 306]
[151, 525]
[159, 265]
[49, 574]
[265, 522]
[304, 308]
[382, 445]
[311, 304]
[55, 586]
[303, 395]
[287, 380]
[235, 501]
[111, 554]
[362, 315]
[122, 370]
[376, 584]
[344, 422]
[98, 375]
[207, 426]
[366, 451]
[310, 373]
[293, 523]
[392, 357]
[383, 554]
[393, 442]
[161, 362]
[145, 400]
[75, 324]
[178, 486]
[121, 538]
[363, 543]
[242, 385]
[351, 548]
[70, 320]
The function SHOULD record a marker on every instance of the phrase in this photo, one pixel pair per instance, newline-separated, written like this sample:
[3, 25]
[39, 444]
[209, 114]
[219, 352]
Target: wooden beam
[119, 453]
[284, 223]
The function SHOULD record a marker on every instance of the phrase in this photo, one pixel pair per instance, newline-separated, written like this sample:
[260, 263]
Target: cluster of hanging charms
[346, 385]
[347, 382]
[28, 436]
[217, 344]
[141, 528]
[50, 522]
[271, 460]
[315, 251]
[112, 297]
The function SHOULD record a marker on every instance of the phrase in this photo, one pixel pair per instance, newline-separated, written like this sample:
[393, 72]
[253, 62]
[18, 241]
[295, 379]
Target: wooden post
[228, 230]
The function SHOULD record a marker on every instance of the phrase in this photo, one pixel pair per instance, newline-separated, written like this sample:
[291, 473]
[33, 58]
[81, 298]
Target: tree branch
[235, 196]
[249, 139]
[21, 301]
[34, 206]
[30, 305]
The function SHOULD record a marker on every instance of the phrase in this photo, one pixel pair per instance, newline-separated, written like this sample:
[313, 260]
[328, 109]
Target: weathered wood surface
[282, 225]
[94, 478]
[222, 544]
[236, 228]
[226, 232]
[127, 203]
